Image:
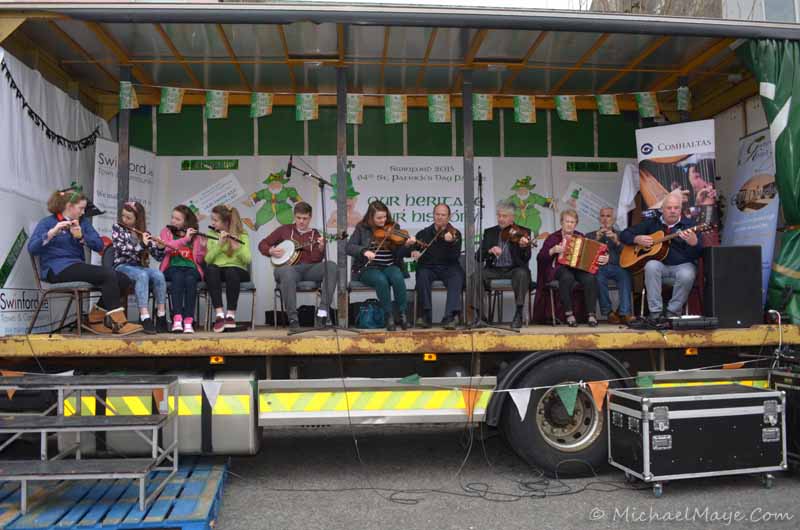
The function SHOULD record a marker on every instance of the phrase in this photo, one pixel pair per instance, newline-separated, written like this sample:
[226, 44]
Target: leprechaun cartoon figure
[276, 197]
[526, 202]
[353, 216]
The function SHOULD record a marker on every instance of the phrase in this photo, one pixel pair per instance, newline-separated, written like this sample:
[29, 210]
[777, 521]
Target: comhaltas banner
[679, 157]
[752, 215]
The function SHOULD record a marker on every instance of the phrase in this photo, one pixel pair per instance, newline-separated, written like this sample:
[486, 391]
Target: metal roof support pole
[123, 139]
[469, 189]
[341, 195]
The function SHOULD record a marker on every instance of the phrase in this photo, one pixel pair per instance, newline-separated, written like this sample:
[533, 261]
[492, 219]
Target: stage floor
[272, 341]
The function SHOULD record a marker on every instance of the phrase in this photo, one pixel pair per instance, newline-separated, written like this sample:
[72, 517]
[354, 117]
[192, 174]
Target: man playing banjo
[297, 252]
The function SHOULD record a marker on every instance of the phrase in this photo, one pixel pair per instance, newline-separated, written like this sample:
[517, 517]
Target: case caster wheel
[767, 480]
[658, 490]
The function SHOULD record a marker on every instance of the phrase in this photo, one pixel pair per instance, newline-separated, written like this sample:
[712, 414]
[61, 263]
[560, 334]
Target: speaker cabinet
[732, 290]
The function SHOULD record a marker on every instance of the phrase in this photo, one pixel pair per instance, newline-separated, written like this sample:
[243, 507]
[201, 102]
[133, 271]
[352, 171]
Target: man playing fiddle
[439, 260]
[507, 258]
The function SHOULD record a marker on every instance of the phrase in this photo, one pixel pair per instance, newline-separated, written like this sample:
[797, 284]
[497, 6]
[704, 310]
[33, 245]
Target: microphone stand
[321, 182]
[478, 322]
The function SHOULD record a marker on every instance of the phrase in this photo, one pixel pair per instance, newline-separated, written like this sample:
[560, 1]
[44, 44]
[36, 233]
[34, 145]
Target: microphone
[289, 168]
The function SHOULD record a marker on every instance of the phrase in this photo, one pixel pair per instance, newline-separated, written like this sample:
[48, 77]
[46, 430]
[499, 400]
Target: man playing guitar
[309, 265]
[679, 266]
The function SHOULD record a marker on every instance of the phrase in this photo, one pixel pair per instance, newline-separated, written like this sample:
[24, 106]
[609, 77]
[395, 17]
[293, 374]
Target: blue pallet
[190, 501]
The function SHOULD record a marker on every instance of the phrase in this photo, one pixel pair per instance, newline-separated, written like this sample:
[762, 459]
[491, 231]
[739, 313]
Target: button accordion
[582, 253]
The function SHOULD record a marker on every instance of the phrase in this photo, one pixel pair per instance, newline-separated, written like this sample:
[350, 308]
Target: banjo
[291, 252]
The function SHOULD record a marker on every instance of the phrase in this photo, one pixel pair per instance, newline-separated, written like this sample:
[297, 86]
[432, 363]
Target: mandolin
[635, 257]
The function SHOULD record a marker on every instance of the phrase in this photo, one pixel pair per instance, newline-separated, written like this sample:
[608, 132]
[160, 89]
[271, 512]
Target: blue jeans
[142, 279]
[382, 279]
[623, 280]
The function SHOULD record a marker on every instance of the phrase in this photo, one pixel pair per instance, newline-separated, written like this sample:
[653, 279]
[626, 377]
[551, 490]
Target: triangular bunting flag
[733, 366]
[565, 108]
[439, 108]
[648, 104]
[158, 395]
[171, 101]
[521, 398]
[127, 96]
[11, 373]
[216, 105]
[471, 396]
[599, 390]
[395, 109]
[355, 109]
[482, 107]
[306, 107]
[568, 395]
[211, 390]
[412, 379]
[644, 381]
[525, 109]
[68, 373]
[260, 104]
[607, 104]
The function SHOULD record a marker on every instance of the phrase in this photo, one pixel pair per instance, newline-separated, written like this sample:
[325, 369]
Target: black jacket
[440, 252]
[491, 238]
[679, 250]
[360, 240]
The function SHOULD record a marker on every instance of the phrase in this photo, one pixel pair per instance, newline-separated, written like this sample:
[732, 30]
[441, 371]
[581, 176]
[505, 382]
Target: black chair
[495, 294]
[302, 287]
[248, 287]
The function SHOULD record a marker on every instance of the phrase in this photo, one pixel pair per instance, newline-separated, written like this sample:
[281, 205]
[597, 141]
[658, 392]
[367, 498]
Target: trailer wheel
[549, 438]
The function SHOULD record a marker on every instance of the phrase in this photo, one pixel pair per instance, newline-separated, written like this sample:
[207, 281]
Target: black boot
[403, 321]
[389, 318]
[517, 322]
[162, 326]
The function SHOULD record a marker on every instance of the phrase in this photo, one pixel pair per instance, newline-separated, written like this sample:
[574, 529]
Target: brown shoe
[98, 328]
[116, 320]
[96, 315]
[627, 319]
[614, 318]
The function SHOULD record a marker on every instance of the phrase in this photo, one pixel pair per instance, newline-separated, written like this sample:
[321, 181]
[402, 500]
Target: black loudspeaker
[732, 290]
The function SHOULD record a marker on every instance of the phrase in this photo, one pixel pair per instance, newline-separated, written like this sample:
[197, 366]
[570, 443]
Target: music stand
[321, 182]
[478, 322]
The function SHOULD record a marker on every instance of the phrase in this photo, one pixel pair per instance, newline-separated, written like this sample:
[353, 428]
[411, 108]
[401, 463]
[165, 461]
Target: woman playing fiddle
[378, 247]
[439, 260]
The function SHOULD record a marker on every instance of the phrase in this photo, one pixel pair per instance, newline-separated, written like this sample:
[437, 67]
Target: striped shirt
[383, 257]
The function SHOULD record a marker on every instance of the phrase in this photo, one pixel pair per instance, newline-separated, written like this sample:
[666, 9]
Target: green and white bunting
[439, 108]
[525, 109]
[171, 101]
[127, 96]
[648, 104]
[482, 107]
[607, 104]
[216, 105]
[395, 109]
[565, 107]
[355, 109]
[306, 107]
[260, 104]
[684, 99]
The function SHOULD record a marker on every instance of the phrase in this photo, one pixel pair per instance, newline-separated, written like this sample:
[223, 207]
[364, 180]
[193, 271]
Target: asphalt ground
[431, 477]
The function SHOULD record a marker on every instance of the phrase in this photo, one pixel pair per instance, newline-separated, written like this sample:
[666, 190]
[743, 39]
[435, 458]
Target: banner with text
[752, 215]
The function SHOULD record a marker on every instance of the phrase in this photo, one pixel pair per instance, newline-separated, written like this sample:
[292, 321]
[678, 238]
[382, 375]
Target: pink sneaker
[187, 325]
[177, 323]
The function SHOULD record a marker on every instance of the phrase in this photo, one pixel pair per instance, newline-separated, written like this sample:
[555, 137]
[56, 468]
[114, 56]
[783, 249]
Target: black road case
[788, 381]
[661, 434]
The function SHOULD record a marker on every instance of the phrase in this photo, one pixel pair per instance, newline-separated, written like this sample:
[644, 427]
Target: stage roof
[290, 47]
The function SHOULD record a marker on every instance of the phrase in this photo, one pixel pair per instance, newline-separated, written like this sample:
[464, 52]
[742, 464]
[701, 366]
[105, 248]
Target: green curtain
[776, 66]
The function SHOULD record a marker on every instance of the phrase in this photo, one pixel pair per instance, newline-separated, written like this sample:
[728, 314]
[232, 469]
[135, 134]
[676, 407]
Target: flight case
[661, 434]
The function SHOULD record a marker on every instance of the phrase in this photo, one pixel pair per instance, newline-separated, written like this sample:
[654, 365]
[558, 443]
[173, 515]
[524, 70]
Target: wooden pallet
[190, 501]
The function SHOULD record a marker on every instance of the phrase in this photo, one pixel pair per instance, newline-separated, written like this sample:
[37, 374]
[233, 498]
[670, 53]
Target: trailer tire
[549, 439]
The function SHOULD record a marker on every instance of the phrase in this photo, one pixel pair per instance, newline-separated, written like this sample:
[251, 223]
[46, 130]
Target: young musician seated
[226, 261]
[59, 241]
[607, 235]
[133, 246]
[566, 277]
[506, 260]
[309, 266]
[678, 268]
[379, 264]
[439, 261]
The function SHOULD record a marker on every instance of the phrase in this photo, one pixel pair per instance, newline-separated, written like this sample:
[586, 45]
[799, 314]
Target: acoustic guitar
[635, 257]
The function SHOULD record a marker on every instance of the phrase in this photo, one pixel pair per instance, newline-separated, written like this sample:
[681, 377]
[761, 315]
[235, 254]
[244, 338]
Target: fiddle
[448, 229]
[180, 232]
[513, 233]
[390, 235]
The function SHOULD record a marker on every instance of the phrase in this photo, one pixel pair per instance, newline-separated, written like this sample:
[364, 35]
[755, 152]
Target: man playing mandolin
[308, 266]
[678, 268]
